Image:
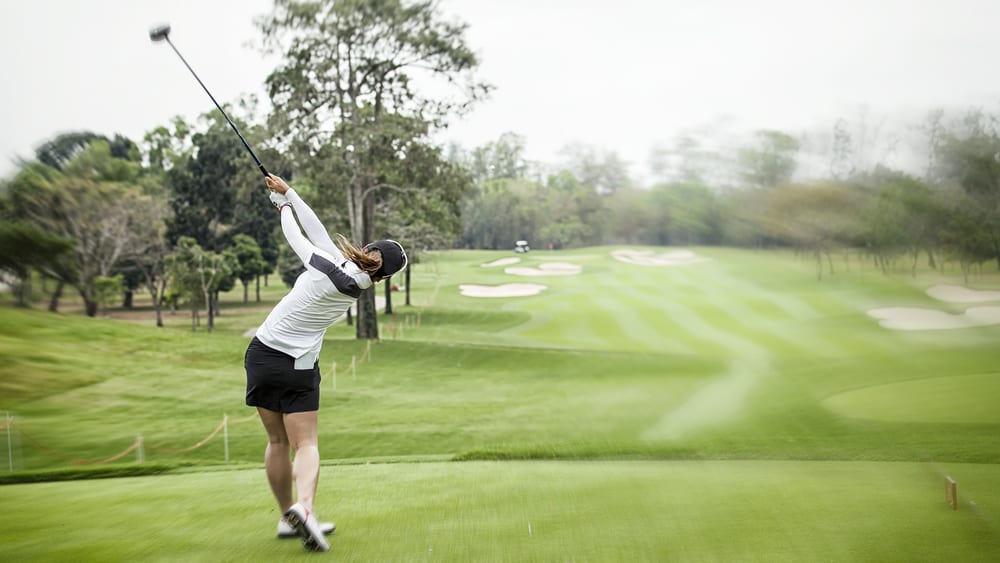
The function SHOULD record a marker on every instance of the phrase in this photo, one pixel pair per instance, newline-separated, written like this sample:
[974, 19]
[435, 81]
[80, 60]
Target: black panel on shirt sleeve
[343, 282]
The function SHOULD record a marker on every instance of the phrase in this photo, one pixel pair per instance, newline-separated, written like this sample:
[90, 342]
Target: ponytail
[369, 263]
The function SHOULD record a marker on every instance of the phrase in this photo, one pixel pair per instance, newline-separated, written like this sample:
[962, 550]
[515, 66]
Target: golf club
[162, 33]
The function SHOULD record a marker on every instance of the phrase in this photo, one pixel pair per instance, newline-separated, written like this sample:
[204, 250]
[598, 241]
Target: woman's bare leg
[277, 463]
[302, 436]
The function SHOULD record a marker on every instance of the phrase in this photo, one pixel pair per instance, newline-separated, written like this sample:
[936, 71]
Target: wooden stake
[951, 492]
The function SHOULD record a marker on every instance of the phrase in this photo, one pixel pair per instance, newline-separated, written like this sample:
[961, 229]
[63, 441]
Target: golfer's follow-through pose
[281, 361]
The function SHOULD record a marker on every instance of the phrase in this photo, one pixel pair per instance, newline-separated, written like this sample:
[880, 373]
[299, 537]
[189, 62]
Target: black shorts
[274, 384]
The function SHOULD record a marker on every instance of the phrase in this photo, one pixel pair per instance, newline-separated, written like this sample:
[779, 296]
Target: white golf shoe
[307, 527]
[286, 531]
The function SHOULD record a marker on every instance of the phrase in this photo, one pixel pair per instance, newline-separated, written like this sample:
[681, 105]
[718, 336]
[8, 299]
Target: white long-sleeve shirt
[321, 294]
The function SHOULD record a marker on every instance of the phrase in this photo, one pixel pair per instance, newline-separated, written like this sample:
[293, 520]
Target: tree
[165, 147]
[903, 215]
[883, 222]
[743, 219]
[131, 280]
[842, 158]
[503, 158]
[564, 227]
[105, 288]
[816, 218]
[770, 161]
[500, 213]
[697, 156]
[24, 248]
[635, 219]
[602, 171]
[202, 187]
[858, 148]
[248, 260]
[425, 212]
[969, 159]
[255, 216]
[69, 148]
[692, 214]
[934, 129]
[63, 148]
[348, 64]
[198, 274]
[571, 214]
[150, 254]
[90, 207]
[962, 236]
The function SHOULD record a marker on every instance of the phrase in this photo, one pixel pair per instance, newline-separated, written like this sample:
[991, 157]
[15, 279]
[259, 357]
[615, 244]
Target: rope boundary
[12, 423]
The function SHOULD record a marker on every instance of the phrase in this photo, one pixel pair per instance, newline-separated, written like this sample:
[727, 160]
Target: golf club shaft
[230, 121]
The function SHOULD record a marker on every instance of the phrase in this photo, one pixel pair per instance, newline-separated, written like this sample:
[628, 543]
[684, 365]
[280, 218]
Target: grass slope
[744, 357]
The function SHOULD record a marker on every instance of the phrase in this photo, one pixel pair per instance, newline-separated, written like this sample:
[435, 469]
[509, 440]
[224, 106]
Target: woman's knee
[278, 441]
[305, 443]
[301, 429]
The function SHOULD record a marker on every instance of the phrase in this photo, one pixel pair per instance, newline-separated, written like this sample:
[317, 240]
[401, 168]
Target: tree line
[183, 215]
[759, 194]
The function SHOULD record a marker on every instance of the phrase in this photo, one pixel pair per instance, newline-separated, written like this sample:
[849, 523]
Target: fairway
[638, 404]
[525, 511]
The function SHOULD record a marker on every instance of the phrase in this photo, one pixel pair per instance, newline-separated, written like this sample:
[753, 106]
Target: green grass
[525, 511]
[776, 390]
[948, 400]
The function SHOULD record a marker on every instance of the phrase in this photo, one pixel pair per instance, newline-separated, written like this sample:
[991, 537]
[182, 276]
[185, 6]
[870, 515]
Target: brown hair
[369, 262]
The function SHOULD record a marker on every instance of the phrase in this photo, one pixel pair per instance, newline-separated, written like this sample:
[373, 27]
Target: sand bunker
[650, 258]
[505, 290]
[547, 269]
[911, 318]
[959, 294]
[502, 262]
[906, 318]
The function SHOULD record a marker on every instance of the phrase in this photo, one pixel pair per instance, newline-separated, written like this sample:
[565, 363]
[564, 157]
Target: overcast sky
[622, 75]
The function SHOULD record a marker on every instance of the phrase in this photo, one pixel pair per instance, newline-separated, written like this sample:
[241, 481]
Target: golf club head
[159, 33]
[162, 33]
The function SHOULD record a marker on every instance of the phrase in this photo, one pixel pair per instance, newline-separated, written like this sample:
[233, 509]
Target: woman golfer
[281, 361]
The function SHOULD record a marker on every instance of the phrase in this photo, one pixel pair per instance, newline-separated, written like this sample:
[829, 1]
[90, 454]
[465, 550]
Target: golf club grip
[262, 169]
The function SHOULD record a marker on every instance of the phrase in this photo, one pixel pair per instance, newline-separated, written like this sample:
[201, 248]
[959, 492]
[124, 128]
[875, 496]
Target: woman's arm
[299, 243]
[307, 217]
[312, 226]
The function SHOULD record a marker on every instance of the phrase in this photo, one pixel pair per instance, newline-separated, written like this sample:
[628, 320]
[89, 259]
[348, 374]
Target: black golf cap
[393, 257]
